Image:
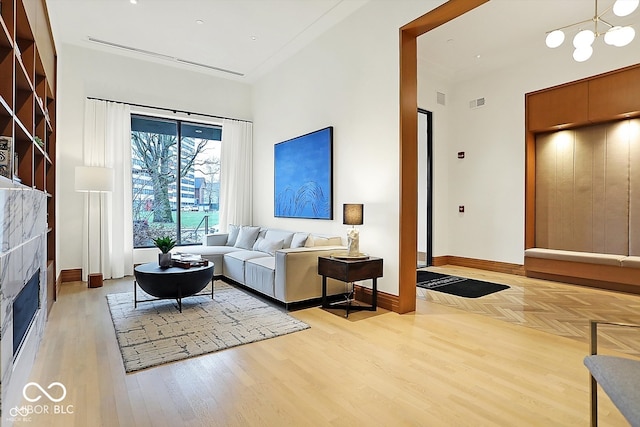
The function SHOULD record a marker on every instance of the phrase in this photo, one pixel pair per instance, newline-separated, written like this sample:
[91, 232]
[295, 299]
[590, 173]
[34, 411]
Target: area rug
[459, 286]
[155, 332]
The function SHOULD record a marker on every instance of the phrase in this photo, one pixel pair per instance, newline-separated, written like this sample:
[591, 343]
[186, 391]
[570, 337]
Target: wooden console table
[348, 271]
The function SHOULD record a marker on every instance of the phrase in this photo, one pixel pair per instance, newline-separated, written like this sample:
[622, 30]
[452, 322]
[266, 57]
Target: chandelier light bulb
[584, 38]
[616, 35]
[627, 34]
[555, 38]
[625, 7]
[581, 54]
[611, 36]
[619, 36]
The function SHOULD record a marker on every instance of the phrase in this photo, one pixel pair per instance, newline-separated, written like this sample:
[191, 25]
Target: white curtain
[236, 177]
[108, 231]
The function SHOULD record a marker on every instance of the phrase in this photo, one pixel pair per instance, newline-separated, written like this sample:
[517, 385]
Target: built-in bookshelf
[27, 107]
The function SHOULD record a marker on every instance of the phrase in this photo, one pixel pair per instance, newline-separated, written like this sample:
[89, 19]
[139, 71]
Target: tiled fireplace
[22, 286]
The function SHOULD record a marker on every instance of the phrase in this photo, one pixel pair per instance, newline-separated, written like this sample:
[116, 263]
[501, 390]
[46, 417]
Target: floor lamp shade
[94, 179]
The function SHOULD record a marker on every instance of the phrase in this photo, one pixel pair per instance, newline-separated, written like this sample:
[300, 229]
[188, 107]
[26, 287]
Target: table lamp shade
[94, 179]
[353, 214]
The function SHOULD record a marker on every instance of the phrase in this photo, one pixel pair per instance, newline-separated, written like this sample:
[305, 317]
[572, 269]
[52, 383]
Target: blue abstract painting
[303, 176]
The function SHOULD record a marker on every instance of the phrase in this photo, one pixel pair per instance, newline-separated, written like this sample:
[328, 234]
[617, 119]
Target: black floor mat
[459, 286]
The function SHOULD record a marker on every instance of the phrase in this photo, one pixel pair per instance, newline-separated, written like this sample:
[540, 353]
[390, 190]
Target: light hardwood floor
[439, 366]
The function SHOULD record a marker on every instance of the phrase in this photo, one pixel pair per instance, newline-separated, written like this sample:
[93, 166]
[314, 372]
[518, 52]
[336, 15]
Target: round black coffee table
[171, 283]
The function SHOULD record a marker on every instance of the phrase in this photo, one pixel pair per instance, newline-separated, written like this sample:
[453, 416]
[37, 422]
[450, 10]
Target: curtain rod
[173, 110]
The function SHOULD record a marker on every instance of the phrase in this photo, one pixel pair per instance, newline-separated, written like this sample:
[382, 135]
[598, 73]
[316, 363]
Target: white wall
[348, 79]
[92, 73]
[490, 180]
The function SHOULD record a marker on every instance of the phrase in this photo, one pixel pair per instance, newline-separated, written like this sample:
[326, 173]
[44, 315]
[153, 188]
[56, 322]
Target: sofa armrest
[215, 239]
[296, 274]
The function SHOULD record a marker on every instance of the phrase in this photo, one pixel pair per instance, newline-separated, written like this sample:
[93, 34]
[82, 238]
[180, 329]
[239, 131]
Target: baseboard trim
[385, 300]
[58, 285]
[71, 275]
[481, 264]
[439, 261]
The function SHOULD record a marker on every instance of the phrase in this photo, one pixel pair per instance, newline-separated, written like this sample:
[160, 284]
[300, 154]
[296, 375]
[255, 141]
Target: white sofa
[280, 264]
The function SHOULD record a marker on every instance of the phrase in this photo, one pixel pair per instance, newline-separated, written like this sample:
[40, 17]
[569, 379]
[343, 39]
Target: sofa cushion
[259, 274]
[268, 246]
[233, 264]
[631, 261]
[247, 237]
[214, 254]
[299, 240]
[233, 234]
[584, 257]
[245, 255]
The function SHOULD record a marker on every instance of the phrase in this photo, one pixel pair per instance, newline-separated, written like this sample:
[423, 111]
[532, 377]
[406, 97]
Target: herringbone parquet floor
[553, 307]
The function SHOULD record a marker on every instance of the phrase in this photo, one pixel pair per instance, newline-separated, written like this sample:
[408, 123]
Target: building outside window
[175, 179]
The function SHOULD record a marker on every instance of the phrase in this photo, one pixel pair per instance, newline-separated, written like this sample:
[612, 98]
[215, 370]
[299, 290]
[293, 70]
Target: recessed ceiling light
[199, 21]
[133, 1]
[477, 56]
[254, 38]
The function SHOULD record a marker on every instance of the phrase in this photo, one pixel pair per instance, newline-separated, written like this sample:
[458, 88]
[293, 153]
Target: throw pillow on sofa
[299, 240]
[247, 237]
[268, 246]
[233, 234]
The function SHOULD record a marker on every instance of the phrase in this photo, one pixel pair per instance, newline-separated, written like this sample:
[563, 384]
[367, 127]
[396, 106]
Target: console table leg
[374, 294]
[324, 291]
[135, 295]
[350, 298]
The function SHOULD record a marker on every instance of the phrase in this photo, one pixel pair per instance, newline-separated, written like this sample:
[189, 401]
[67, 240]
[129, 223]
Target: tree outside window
[175, 179]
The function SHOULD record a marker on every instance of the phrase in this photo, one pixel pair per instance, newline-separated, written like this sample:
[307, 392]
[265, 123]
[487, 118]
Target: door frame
[408, 220]
[429, 197]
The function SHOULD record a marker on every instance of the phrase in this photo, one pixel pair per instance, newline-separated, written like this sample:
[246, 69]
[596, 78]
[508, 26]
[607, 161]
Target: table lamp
[353, 214]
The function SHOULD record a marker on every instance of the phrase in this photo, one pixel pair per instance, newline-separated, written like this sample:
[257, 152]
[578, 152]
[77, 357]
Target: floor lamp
[94, 179]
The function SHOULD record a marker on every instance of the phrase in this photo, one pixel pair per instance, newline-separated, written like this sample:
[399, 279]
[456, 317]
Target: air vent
[476, 103]
[162, 56]
[440, 98]
[197, 64]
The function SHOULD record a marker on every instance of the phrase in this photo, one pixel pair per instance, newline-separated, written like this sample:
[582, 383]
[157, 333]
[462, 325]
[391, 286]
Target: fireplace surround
[23, 269]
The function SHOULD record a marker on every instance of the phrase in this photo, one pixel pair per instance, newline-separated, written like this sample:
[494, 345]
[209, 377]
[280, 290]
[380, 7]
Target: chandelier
[614, 35]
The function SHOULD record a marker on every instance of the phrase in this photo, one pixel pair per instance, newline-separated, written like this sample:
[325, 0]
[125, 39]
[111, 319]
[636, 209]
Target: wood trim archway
[409, 141]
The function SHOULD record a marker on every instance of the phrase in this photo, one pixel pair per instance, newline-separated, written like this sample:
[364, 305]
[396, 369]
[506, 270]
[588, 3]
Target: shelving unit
[27, 106]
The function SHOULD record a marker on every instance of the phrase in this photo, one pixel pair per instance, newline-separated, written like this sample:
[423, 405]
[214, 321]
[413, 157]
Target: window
[175, 179]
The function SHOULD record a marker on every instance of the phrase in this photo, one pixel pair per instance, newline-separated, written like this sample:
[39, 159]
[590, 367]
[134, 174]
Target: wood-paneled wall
[634, 191]
[594, 100]
[583, 187]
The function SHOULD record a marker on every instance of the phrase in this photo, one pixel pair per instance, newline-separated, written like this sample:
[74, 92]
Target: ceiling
[501, 33]
[243, 39]
[237, 39]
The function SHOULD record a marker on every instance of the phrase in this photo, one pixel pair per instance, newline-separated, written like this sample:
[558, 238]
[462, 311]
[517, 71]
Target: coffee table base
[178, 298]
